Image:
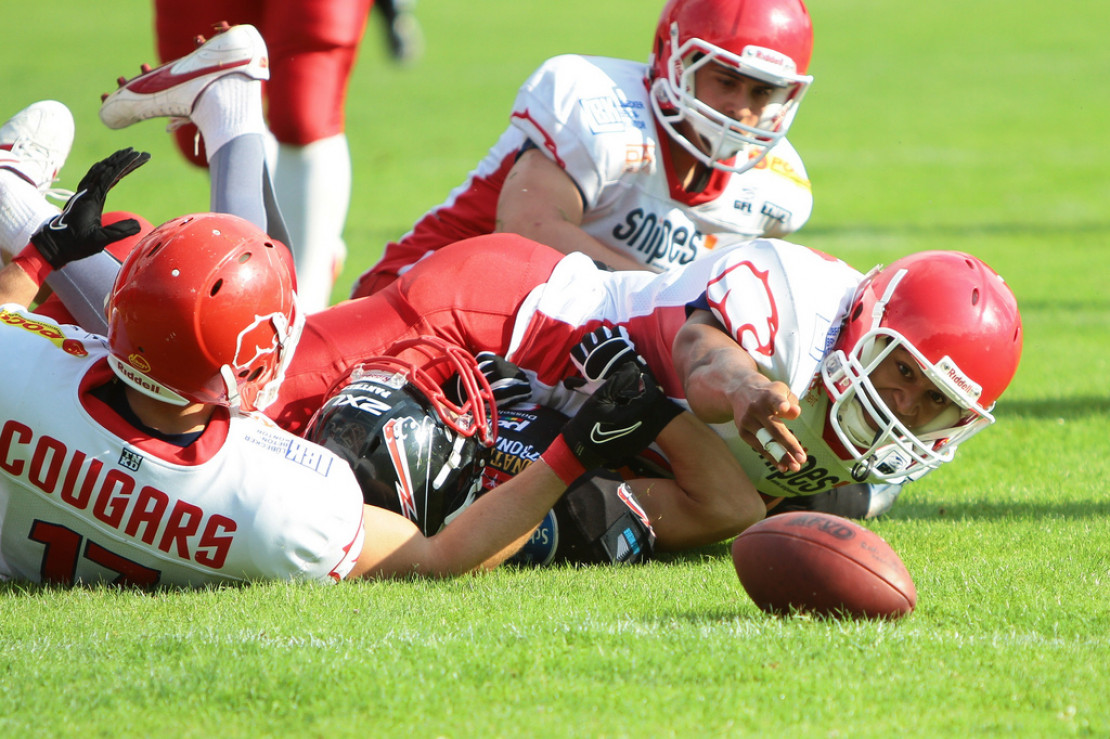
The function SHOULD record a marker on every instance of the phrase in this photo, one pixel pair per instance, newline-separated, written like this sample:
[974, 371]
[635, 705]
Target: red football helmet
[769, 40]
[960, 322]
[204, 311]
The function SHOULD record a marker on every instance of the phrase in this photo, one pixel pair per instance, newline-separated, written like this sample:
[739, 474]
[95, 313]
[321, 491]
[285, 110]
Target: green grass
[975, 125]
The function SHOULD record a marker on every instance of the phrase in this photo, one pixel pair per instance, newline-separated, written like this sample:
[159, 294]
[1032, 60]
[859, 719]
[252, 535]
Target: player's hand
[619, 420]
[76, 232]
[760, 413]
[598, 355]
[507, 382]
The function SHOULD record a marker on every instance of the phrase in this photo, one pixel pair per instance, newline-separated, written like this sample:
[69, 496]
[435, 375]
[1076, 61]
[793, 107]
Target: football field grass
[977, 125]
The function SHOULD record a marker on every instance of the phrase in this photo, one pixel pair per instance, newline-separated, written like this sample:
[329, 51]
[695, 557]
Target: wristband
[562, 461]
[33, 263]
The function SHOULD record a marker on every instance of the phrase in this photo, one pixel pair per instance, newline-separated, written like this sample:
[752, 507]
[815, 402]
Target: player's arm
[16, 285]
[482, 536]
[616, 422]
[723, 383]
[710, 498]
[539, 200]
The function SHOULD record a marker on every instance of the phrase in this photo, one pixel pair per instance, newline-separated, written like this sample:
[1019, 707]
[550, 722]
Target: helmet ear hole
[216, 287]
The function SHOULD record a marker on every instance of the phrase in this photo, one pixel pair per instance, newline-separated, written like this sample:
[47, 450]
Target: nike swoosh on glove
[620, 419]
[77, 232]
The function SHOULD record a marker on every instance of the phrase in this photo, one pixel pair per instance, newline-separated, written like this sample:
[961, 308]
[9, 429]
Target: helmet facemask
[674, 99]
[257, 388]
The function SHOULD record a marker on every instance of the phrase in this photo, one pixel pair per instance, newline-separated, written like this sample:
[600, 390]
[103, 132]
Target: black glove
[76, 232]
[598, 355]
[619, 420]
[508, 382]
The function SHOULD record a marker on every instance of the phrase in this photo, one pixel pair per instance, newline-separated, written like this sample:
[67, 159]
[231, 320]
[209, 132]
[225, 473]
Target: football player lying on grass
[137, 458]
[812, 374]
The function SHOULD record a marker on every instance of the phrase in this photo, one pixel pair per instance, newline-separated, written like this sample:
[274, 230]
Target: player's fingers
[781, 446]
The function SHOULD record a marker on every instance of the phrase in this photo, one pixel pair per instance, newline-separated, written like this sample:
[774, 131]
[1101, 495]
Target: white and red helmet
[204, 311]
[960, 322]
[768, 40]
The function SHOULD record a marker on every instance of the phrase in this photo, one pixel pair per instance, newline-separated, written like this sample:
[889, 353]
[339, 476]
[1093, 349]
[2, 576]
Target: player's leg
[447, 295]
[176, 27]
[34, 144]
[218, 87]
[403, 35]
[861, 501]
[313, 47]
[226, 102]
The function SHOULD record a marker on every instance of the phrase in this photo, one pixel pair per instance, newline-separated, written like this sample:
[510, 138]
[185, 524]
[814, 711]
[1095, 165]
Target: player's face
[732, 94]
[907, 392]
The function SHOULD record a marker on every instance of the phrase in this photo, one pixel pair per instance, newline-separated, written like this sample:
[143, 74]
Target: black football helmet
[413, 451]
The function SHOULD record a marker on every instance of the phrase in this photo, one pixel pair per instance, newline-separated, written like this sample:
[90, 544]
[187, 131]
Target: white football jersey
[86, 498]
[782, 302]
[592, 116]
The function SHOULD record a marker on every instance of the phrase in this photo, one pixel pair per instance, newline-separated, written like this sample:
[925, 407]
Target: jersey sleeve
[574, 109]
[309, 525]
[781, 302]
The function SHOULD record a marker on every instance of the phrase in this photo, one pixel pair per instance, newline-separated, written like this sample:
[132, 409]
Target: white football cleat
[35, 142]
[172, 89]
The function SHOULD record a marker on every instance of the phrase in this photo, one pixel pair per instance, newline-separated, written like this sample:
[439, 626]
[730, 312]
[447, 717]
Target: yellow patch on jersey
[780, 166]
[48, 331]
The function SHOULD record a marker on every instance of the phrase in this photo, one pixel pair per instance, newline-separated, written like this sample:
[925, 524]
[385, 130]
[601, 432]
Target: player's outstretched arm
[710, 498]
[539, 200]
[618, 421]
[723, 383]
[483, 535]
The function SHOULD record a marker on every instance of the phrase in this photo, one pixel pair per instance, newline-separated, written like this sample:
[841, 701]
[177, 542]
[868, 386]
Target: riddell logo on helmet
[765, 57]
[958, 379]
[136, 378]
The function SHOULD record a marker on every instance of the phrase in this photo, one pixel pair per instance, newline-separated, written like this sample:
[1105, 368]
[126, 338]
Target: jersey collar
[210, 441]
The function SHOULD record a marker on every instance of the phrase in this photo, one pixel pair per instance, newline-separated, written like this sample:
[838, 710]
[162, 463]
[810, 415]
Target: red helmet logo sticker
[395, 443]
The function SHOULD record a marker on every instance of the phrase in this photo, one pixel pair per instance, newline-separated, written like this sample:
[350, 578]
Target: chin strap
[231, 385]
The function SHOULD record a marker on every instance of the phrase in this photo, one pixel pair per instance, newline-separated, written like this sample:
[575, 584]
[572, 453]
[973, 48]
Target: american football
[821, 564]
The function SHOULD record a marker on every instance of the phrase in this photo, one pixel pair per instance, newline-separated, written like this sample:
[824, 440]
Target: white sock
[22, 210]
[230, 107]
[313, 188]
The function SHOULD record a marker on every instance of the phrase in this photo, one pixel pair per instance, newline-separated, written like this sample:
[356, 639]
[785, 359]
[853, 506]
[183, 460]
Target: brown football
[822, 564]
